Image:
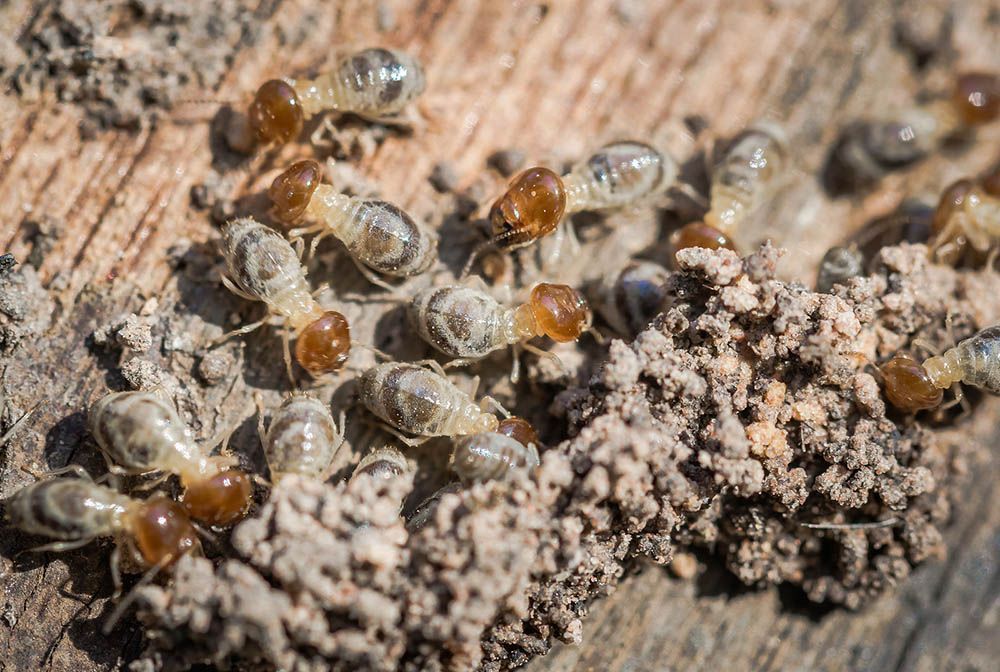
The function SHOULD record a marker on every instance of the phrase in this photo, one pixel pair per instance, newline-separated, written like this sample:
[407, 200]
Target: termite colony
[141, 434]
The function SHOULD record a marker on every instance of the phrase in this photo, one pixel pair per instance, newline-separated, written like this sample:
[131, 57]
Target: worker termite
[302, 438]
[619, 174]
[141, 433]
[747, 172]
[468, 323]
[490, 456]
[629, 299]
[263, 267]
[967, 215]
[75, 511]
[374, 83]
[839, 265]
[378, 235]
[382, 463]
[424, 402]
[867, 150]
[912, 386]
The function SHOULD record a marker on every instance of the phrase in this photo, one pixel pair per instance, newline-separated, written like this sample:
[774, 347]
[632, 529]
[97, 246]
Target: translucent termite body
[867, 150]
[75, 511]
[490, 456]
[967, 215]
[383, 463]
[262, 266]
[631, 298]
[469, 324]
[423, 402]
[376, 83]
[912, 386]
[141, 433]
[618, 174]
[302, 438]
[746, 174]
[377, 234]
[839, 265]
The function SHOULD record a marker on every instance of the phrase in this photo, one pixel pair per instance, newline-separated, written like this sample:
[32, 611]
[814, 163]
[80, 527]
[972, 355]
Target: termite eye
[162, 531]
[531, 207]
[700, 234]
[520, 430]
[276, 113]
[219, 500]
[561, 312]
[293, 189]
[908, 386]
[977, 95]
[324, 344]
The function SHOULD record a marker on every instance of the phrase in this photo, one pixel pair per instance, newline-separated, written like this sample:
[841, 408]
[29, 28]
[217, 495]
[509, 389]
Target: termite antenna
[127, 601]
[473, 257]
[17, 424]
[888, 522]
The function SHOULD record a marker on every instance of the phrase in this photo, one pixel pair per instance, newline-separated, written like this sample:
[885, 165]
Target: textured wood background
[553, 79]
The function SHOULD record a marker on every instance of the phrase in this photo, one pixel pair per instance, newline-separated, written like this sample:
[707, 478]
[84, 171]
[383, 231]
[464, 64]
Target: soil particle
[7, 262]
[25, 307]
[216, 366]
[133, 332]
[743, 423]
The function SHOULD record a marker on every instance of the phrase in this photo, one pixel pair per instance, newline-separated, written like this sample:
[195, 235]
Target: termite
[302, 438]
[264, 267]
[490, 456]
[912, 386]
[967, 215]
[748, 171]
[382, 463]
[378, 235]
[374, 83]
[619, 174]
[520, 430]
[421, 401]
[631, 298]
[468, 323]
[141, 433]
[839, 265]
[867, 150]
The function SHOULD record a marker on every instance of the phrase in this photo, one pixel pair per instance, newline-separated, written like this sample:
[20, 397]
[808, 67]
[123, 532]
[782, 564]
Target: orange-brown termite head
[324, 344]
[520, 430]
[951, 202]
[162, 531]
[560, 311]
[531, 207]
[219, 500]
[292, 190]
[977, 97]
[276, 113]
[700, 234]
[908, 385]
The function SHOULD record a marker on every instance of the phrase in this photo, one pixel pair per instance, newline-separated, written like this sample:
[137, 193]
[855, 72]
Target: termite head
[560, 312]
[520, 430]
[293, 189]
[977, 97]
[908, 385]
[276, 112]
[221, 499]
[324, 344]
[161, 531]
[531, 208]
[700, 234]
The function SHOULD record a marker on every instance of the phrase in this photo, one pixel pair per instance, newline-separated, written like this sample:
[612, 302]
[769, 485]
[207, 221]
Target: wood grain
[553, 79]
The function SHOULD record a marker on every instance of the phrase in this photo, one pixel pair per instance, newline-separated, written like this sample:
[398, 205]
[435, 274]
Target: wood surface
[554, 80]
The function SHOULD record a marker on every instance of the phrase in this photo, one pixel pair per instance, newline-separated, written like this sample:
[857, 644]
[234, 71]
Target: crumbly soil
[746, 422]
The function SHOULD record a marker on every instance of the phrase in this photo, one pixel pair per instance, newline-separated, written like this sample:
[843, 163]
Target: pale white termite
[302, 438]
[141, 433]
[382, 463]
[422, 401]
[968, 214]
[629, 299]
[262, 266]
[378, 235]
[490, 456]
[375, 83]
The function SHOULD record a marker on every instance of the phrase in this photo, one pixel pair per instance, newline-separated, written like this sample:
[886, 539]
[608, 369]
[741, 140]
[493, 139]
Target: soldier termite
[141, 433]
[619, 174]
[912, 386]
[869, 149]
[748, 171]
[967, 215]
[378, 235]
[374, 83]
[468, 323]
[263, 267]
[422, 401]
[490, 456]
[302, 438]
[629, 299]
